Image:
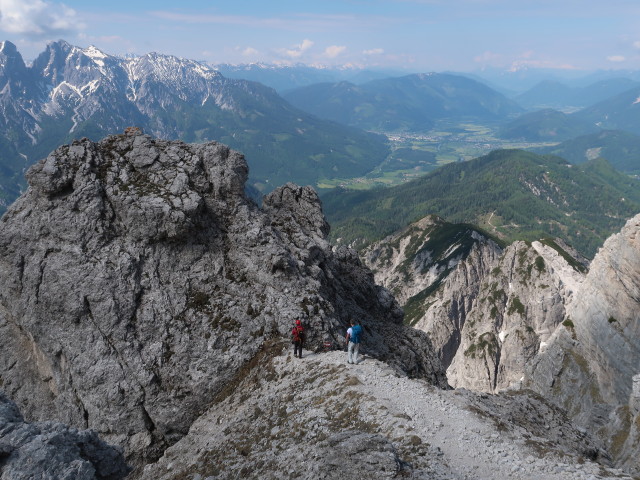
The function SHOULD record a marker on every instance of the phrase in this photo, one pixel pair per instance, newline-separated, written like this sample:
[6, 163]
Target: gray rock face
[138, 281]
[46, 450]
[591, 365]
[635, 395]
[520, 304]
[487, 310]
[453, 302]
[433, 269]
[605, 312]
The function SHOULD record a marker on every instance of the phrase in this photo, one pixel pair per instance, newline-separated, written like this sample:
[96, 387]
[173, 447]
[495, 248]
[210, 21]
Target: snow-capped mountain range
[66, 76]
[70, 92]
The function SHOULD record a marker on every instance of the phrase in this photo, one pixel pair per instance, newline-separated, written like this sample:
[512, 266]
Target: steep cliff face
[591, 365]
[520, 304]
[138, 281]
[434, 270]
[606, 311]
[487, 309]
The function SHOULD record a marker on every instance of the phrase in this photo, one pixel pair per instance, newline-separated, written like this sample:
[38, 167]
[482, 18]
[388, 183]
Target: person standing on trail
[353, 341]
[297, 337]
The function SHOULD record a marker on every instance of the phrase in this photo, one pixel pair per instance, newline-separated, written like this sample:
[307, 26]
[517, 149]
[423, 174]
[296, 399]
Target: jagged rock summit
[139, 282]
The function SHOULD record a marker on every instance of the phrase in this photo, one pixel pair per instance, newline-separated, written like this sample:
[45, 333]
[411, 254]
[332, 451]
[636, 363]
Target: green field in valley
[415, 154]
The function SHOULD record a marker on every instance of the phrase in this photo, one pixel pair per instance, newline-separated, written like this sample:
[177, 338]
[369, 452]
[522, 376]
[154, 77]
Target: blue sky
[418, 35]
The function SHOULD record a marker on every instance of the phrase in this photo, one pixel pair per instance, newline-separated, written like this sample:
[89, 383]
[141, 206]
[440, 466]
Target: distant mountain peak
[94, 52]
[10, 57]
[59, 45]
[7, 47]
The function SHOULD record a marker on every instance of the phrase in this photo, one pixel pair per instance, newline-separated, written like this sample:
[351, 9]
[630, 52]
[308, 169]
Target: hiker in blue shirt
[353, 338]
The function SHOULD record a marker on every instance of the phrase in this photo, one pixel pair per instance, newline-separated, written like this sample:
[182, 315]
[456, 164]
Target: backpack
[297, 333]
[356, 331]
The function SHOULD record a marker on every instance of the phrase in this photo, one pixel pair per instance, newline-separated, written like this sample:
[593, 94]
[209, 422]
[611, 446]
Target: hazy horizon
[410, 35]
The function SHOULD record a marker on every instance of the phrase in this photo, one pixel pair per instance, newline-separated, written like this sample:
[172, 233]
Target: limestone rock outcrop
[146, 300]
[592, 363]
[488, 309]
[138, 281]
[52, 450]
[520, 304]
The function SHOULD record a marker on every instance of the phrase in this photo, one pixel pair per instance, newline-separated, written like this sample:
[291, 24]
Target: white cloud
[524, 60]
[249, 52]
[526, 64]
[373, 51]
[616, 58]
[37, 18]
[489, 58]
[334, 50]
[101, 38]
[636, 44]
[298, 50]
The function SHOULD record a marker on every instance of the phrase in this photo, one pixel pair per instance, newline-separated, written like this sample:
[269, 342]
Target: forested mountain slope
[408, 103]
[512, 194]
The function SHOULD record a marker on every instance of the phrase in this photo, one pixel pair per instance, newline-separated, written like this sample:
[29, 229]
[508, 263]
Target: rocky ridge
[488, 308]
[318, 417]
[433, 268]
[141, 282]
[147, 299]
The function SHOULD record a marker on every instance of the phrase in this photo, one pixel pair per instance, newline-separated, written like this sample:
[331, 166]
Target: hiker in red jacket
[297, 337]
